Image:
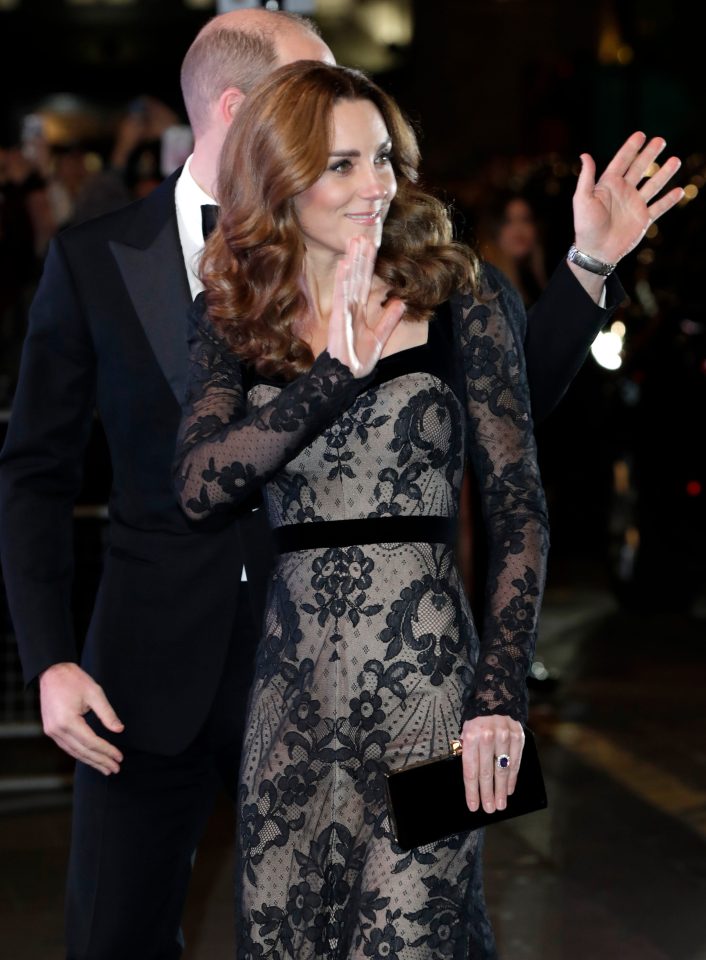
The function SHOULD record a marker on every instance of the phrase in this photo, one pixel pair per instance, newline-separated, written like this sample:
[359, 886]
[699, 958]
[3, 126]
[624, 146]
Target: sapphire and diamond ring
[502, 761]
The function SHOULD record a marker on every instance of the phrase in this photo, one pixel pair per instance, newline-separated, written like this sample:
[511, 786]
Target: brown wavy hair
[252, 266]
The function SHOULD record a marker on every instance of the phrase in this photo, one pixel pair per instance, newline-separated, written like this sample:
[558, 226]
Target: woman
[508, 237]
[307, 382]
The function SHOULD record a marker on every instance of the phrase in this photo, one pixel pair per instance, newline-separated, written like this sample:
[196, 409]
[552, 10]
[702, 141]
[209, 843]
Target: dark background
[483, 76]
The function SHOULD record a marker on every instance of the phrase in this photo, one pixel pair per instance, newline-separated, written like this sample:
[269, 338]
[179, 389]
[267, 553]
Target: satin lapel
[156, 280]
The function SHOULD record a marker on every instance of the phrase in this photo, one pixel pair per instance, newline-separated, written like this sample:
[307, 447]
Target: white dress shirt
[189, 196]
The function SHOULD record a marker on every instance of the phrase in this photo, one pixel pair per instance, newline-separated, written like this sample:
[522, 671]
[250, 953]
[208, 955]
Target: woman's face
[518, 234]
[351, 198]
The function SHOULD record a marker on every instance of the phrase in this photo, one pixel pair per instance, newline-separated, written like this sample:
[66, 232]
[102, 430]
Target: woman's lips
[365, 219]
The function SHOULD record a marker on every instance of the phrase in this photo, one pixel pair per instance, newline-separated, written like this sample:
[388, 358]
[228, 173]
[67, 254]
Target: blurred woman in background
[510, 238]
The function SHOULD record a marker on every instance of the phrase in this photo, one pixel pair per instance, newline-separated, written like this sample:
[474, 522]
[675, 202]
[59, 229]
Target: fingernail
[474, 806]
[489, 808]
[501, 805]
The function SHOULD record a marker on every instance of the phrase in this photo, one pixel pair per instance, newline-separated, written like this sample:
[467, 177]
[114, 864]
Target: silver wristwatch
[589, 263]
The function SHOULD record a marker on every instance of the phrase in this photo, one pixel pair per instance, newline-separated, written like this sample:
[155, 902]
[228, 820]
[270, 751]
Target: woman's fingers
[362, 254]
[492, 751]
[517, 743]
[502, 761]
[339, 334]
[353, 256]
[486, 775]
[368, 258]
[352, 339]
[368, 337]
[469, 759]
[391, 316]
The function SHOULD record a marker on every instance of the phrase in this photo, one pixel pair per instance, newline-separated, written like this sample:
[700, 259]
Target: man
[169, 641]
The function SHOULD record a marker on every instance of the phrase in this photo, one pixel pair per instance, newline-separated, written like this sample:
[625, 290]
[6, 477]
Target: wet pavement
[614, 868]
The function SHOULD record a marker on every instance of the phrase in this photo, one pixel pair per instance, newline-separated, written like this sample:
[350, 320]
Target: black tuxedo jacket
[108, 332]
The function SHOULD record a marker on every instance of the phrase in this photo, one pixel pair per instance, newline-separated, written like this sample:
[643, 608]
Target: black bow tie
[209, 218]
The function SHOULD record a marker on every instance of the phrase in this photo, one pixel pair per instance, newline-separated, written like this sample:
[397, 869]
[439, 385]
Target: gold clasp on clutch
[456, 748]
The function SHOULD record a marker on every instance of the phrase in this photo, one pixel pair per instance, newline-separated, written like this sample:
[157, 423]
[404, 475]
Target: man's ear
[228, 104]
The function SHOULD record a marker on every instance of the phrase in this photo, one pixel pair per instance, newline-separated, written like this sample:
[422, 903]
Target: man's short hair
[224, 57]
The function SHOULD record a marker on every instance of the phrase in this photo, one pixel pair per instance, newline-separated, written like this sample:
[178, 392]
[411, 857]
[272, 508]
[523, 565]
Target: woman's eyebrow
[386, 144]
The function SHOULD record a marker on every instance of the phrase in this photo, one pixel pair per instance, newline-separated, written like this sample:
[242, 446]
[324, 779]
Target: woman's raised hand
[357, 335]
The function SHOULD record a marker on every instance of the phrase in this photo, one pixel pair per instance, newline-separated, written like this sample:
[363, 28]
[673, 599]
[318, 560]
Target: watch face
[590, 263]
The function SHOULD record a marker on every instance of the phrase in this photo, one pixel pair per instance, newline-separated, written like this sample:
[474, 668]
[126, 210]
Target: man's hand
[66, 694]
[611, 216]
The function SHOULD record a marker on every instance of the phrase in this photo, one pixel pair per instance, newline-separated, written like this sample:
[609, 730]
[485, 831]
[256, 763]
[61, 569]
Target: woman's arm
[504, 458]
[503, 453]
[226, 449]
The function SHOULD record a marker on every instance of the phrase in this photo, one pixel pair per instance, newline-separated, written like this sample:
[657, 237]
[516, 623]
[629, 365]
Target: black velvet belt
[343, 533]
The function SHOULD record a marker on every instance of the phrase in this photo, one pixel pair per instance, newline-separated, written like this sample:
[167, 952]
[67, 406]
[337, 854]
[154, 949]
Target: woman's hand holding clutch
[492, 750]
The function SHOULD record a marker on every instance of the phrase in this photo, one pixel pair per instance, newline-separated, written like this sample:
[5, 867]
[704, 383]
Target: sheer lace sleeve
[226, 449]
[503, 453]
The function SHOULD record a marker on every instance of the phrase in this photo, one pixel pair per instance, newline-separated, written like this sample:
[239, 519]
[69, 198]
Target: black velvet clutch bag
[427, 801]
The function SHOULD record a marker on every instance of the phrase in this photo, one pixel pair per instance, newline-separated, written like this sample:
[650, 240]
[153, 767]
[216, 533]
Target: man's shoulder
[136, 223]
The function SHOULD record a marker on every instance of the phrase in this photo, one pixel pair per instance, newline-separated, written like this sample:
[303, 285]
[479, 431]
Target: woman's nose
[375, 185]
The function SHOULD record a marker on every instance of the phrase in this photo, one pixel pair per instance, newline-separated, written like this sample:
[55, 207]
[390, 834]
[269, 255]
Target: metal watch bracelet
[589, 263]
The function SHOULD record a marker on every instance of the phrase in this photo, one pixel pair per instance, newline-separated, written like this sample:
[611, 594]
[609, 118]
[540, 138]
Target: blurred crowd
[626, 438]
[46, 186]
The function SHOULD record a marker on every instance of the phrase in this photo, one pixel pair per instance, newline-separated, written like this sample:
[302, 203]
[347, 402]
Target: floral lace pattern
[503, 453]
[369, 658]
[215, 416]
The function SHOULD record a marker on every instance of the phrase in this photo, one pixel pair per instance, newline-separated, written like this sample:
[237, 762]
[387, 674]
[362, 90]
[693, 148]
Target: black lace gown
[369, 658]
